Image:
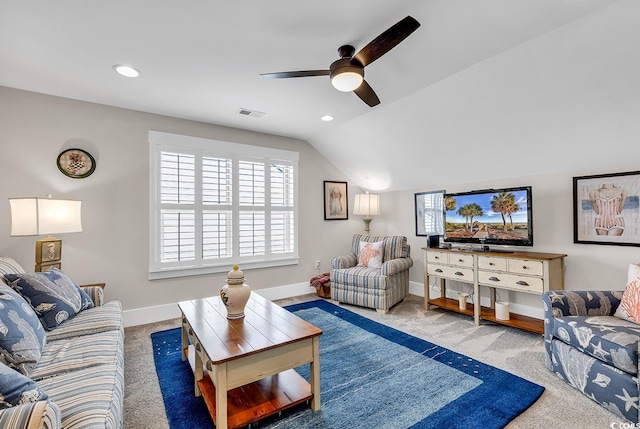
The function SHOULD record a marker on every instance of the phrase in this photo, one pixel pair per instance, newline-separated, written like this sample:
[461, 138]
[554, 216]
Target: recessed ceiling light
[327, 118]
[126, 71]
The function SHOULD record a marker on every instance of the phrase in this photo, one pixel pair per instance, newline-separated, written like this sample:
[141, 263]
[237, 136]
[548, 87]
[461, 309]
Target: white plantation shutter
[214, 204]
[434, 212]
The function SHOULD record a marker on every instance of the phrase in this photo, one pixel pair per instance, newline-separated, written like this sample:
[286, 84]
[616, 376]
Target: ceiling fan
[347, 73]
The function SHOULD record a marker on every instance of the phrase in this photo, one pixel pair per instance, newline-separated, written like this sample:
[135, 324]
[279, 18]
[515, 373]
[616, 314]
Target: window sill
[214, 269]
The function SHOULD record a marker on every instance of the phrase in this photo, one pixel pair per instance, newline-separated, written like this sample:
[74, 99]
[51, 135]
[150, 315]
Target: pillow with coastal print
[52, 294]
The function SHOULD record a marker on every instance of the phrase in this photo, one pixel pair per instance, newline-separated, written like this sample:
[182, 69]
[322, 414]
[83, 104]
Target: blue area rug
[372, 376]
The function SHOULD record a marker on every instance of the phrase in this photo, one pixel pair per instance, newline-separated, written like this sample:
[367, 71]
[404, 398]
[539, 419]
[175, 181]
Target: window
[214, 204]
[429, 213]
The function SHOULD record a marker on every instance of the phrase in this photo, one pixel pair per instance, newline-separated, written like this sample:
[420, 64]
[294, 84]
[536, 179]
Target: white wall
[113, 247]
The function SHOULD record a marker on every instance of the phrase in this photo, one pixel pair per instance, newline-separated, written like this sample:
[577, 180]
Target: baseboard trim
[158, 313]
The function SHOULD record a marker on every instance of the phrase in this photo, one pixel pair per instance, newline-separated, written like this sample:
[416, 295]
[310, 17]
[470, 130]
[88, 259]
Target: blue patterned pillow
[21, 335]
[16, 389]
[52, 294]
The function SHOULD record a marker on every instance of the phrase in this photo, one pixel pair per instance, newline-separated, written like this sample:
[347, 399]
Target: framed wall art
[335, 201]
[76, 163]
[606, 209]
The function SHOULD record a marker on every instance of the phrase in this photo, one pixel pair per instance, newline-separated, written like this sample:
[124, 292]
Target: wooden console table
[244, 368]
[528, 272]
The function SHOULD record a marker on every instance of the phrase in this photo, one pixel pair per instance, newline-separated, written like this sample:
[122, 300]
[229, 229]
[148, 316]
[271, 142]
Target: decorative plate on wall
[76, 163]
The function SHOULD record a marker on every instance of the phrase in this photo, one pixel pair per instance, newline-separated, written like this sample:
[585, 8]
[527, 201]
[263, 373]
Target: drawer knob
[494, 279]
[460, 260]
[436, 257]
[524, 267]
[458, 273]
[491, 264]
[438, 270]
[522, 283]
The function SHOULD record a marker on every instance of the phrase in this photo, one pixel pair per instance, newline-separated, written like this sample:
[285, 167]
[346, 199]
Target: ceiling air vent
[252, 113]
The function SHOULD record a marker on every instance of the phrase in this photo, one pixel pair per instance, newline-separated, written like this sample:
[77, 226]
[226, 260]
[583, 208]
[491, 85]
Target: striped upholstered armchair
[378, 288]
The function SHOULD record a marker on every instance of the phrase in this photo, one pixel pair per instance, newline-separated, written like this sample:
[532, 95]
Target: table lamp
[40, 216]
[367, 205]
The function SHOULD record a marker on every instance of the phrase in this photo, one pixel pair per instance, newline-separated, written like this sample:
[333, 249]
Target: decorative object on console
[39, 216]
[502, 310]
[367, 205]
[335, 200]
[76, 163]
[462, 300]
[606, 209]
[235, 294]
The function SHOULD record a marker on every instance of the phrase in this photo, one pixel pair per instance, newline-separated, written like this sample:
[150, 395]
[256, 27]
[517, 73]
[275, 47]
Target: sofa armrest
[395, 266]
[95, 292]
[346, 261]
[34, 415]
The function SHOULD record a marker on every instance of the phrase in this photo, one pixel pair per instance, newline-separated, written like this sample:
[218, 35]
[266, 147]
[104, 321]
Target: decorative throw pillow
[16, 389]
[22, 337]
[52, 294]
[629, 308]
[370, 254]
[9, 266]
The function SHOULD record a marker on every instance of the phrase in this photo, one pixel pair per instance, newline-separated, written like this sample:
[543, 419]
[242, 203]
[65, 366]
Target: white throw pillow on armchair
[370, 254]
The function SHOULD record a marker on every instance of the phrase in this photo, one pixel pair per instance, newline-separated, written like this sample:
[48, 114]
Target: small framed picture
[335, 201]
[606, 209]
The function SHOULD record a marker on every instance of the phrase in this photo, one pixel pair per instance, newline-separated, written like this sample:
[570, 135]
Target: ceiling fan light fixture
[347, 81]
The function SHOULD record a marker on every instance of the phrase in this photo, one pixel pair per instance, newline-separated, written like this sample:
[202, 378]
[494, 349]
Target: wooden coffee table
[244, 368]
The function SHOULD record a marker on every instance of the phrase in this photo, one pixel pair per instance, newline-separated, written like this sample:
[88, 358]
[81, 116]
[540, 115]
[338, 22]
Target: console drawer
[492, 263]
[438, 257]
[449, 272]
[511, 281]
[524, 266]
[461, 260]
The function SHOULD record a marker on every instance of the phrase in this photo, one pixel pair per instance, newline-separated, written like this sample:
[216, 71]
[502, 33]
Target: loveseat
[593, 350]
[380, 288]
[76, 379]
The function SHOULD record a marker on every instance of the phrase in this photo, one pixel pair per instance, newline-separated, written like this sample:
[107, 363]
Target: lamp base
[48, 254]
[367, 222]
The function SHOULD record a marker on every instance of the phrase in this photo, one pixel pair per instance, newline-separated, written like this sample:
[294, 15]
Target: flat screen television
[490, 216]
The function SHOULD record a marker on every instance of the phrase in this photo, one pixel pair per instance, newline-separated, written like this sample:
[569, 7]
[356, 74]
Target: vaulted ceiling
[480, 82]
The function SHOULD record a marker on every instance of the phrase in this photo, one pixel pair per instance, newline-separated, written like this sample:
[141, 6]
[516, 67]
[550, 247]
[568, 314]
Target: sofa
[378, 285]
[593, 350]
[70, 376]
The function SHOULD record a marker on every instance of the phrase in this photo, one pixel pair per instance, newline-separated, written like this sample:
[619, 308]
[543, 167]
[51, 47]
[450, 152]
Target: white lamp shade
[367, 205]
[38, 216]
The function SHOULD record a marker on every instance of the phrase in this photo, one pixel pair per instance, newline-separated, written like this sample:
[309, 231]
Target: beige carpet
[510, 349]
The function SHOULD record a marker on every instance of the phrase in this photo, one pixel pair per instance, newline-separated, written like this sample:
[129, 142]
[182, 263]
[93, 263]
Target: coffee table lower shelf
[252, 402]
[519, 321]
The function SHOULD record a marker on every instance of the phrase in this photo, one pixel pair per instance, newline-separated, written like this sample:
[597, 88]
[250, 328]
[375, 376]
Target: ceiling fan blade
[386, 41]
[286, 75]
[367, 94]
